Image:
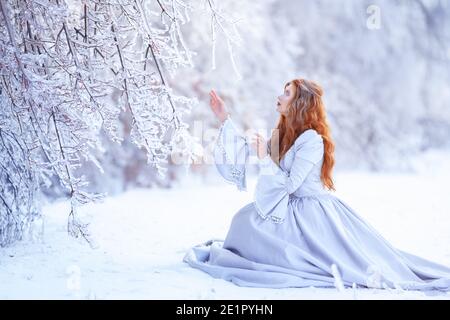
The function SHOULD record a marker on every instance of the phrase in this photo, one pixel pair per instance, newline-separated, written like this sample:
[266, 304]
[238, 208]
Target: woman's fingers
[256, 141]
[213, 100]
[213, 97]
[257, 137]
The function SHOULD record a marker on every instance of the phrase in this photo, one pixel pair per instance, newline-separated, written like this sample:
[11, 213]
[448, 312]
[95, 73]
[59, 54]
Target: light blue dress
[298, 234]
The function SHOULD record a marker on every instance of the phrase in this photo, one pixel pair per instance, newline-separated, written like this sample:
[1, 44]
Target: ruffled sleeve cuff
[231, 153]
[271, 196]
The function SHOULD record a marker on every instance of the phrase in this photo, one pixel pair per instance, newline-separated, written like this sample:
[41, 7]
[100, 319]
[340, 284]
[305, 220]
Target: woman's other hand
[260, 145]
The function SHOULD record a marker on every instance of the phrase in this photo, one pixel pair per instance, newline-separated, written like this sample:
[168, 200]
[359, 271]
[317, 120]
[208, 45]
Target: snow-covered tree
[71, 71]
[87, 88]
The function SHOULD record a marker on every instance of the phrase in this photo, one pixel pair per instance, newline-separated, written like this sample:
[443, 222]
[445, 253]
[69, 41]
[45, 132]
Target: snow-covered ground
[140, 238]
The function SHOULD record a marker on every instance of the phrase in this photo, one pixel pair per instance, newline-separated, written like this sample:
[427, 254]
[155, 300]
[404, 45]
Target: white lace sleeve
[231, 154]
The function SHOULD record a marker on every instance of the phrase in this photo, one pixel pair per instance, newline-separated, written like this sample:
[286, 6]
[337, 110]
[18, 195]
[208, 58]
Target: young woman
[296, 233]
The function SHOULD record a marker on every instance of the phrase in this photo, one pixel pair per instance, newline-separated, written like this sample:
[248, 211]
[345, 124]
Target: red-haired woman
[296, 233]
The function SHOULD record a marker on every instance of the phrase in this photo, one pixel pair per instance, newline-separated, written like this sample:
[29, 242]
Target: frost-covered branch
[71, 72]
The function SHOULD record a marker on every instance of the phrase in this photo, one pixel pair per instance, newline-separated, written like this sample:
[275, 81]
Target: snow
[141, 236]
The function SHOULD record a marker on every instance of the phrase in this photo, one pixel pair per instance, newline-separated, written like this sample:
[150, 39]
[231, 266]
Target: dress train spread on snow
[297, 234]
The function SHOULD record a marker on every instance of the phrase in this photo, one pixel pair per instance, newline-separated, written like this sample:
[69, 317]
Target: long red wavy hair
[305, 111]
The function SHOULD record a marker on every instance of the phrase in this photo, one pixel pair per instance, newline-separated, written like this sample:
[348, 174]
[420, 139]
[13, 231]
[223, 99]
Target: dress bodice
[297, 175]
[312, 184]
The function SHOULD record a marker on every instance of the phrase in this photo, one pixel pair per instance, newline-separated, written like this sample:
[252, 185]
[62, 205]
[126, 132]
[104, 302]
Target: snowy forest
[101, 97]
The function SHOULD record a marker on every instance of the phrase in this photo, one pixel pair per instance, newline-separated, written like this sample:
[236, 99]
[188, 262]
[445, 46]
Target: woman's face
[285, 99]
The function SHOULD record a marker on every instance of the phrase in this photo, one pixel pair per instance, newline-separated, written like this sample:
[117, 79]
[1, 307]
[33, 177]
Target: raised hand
[218, 106]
